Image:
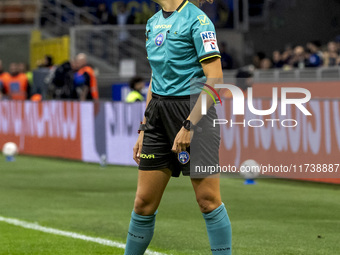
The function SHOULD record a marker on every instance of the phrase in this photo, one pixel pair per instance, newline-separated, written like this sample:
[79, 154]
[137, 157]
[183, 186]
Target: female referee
[181, 46]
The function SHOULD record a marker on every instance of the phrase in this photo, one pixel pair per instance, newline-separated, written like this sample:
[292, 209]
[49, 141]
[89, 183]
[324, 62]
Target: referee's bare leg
[150, 189]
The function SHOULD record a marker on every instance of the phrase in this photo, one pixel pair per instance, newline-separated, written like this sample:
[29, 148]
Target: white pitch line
[35, 226]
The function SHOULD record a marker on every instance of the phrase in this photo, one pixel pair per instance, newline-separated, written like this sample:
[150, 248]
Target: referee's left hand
[182, 140]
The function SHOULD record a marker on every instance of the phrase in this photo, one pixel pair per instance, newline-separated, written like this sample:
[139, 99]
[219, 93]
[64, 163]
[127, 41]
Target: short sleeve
[204, 38]
[147, 34]
[147, 31]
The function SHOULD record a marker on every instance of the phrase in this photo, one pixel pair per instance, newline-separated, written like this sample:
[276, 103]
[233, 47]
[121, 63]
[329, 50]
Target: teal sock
[140, 233]
[219, 231]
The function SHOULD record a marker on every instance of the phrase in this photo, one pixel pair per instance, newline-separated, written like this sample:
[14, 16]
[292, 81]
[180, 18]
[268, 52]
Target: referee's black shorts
[164, 118]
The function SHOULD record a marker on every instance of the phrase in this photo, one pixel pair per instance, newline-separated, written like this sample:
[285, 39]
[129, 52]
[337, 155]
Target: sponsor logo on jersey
[163, 26]
[203, 20]
[208, 35]
[159, 40]
[209, 41]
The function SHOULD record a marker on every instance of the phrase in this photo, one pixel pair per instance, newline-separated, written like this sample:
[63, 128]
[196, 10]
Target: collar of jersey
[179, 9]
[182, 5]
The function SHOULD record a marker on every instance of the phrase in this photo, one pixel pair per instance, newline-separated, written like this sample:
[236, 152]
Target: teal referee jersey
[176, 45]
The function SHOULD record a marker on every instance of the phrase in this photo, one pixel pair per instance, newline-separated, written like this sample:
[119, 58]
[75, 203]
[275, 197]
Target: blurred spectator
[331, 55]
[137, 84]
[4, 76]
[287, 55]
[266, 64]
[17, 87]
[277, 59]
[103, 14]
[46, 62]
[257, 58]
[23, 68]
[314, 55]
[61, 84]
[85, 81]
[226, 59]
[299, 58]
[123, 16]
[337, 41]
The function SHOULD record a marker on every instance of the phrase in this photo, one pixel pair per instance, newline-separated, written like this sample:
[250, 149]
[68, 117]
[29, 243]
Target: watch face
[187, 124]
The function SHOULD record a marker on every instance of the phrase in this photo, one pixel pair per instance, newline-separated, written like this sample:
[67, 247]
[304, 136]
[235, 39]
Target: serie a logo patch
[159, 39]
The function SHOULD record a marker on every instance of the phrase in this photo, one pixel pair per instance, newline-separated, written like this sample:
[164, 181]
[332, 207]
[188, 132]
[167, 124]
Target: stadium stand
[82, 22]
[41, 38]
[18, 11]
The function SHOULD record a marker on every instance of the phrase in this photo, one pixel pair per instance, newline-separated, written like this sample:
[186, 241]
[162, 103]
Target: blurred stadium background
[57, 181]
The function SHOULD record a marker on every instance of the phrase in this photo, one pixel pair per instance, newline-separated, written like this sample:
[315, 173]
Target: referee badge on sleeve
[183, 157]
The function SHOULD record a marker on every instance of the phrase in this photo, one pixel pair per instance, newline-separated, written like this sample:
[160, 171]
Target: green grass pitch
[274, 217]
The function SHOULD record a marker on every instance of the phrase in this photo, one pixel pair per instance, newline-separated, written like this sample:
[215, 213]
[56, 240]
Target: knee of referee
[144, 206]
[208, 202]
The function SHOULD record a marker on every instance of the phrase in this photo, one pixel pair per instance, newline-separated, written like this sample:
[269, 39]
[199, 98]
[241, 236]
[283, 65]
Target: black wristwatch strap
[141, 127]
[187, 124]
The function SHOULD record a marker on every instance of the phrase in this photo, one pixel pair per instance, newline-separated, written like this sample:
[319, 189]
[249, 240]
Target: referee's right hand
[137, 149]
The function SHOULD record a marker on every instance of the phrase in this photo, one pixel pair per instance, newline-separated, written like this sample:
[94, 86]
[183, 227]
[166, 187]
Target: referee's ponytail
[209, 1]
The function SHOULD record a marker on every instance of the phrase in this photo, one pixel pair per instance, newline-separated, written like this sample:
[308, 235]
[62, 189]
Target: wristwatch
[141, 127]
[187, 125]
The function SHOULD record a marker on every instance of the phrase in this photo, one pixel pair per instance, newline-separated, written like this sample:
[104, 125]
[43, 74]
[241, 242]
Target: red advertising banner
[49, 128]
[310, 150]
[78, 130]
[318, 89]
